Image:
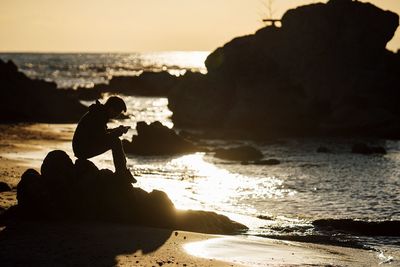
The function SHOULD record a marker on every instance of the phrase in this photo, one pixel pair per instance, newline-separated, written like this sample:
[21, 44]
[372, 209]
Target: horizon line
[100, 52]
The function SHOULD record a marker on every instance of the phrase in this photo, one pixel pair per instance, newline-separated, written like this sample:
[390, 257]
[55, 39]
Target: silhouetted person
[92, 137]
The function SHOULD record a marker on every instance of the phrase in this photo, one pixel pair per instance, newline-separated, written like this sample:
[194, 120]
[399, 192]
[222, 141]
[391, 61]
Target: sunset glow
[137, 26]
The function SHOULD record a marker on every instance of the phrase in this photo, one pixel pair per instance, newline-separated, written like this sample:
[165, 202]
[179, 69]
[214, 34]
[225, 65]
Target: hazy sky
[136, 25]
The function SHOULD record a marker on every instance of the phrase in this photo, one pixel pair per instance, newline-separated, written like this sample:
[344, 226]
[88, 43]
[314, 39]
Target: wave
[321, 239]
[355, 233]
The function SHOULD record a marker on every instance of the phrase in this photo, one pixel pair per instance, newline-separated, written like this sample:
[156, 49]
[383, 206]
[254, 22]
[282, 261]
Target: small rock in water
[265, 217]
[323, 149]
[362, 148]
[243, 153]
[267, 162]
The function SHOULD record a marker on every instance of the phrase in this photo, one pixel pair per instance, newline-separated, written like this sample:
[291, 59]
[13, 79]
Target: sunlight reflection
[173, 62]
[198, 184]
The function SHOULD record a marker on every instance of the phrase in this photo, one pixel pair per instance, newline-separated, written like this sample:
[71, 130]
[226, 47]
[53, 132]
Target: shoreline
[75, 240]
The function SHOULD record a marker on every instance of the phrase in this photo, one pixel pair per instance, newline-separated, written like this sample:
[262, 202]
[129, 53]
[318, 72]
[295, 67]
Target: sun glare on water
[198, 184]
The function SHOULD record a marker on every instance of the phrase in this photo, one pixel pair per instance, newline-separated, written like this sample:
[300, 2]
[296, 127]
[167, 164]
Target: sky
[138, 25]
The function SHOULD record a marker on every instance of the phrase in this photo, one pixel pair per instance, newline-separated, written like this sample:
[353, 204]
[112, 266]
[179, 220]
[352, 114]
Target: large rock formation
[81, 191]
[325, 71]
[26, 100]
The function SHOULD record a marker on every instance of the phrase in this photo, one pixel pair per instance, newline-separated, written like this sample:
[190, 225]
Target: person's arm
[117, 132]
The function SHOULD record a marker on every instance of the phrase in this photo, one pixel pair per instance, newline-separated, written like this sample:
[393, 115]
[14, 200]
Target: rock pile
[80, 191]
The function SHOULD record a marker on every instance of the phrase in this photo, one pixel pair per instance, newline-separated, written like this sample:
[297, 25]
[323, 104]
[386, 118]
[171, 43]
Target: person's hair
[115, 103]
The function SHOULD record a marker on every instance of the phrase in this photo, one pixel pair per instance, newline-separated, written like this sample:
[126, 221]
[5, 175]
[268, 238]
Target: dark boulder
[31, 190]
[325, 72]
[88, 94]
[85, 168]
[241, 153]
[362, 148]
[101, 195]
[157, 139]
[262, 162]
[365, 228]
[57, 169]
[267, 162]
[4, 187]
[26, 100]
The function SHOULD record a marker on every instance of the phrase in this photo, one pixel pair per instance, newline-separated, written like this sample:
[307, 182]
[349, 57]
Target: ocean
[281, 201]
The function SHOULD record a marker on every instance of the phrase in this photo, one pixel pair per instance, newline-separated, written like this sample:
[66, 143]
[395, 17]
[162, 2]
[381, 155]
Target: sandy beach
[102, 244]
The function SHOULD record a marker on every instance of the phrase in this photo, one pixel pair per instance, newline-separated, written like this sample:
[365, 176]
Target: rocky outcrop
[26, 100]
[157, 139]
[81, 191]
[326, 71]
[146, 84]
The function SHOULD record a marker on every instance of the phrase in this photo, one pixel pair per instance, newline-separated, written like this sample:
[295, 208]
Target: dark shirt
[91, 130]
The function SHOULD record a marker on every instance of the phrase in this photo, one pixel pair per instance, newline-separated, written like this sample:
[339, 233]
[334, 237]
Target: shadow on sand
[76, 244]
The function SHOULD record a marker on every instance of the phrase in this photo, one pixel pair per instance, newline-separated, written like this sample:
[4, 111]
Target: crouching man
[92, 137]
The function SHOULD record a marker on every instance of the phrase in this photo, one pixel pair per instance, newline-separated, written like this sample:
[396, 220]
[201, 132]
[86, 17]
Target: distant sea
[85, 70]
[280, 201]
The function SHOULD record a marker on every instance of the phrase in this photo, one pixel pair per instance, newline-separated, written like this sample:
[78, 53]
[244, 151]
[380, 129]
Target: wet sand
[87, 243]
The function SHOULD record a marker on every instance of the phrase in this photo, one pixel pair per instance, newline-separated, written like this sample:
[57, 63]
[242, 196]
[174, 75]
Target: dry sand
[102, 244]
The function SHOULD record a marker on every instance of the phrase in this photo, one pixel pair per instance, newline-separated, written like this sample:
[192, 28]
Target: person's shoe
[126, 174]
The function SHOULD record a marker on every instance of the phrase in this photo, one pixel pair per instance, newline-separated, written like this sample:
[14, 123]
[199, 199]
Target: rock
[325, 72]
[206, 222]
[4, 187]
[146, 84]
[57, 169]
[88, 94]
[101, 195]
[242, 153]
[358, 227]
[26, 100]
[323, 149]
[31, 192]
[85, 168]
[267, 162]
[362, 148]
[157, 139]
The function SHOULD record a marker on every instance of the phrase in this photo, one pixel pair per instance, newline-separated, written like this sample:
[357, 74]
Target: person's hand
[123, 129]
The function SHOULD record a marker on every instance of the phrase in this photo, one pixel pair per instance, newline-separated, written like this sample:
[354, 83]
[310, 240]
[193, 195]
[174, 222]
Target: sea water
[279, 201]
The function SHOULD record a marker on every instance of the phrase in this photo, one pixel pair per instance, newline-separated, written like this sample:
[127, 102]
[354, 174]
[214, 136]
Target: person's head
[115, 106]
